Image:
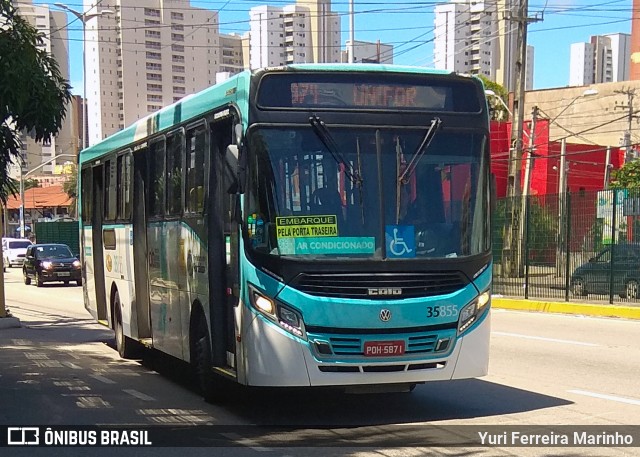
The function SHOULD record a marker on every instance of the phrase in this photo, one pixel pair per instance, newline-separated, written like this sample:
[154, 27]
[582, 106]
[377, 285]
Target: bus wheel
[124, 344]
[202, 363]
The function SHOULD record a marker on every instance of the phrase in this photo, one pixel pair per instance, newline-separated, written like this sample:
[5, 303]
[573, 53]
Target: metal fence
[575, 246]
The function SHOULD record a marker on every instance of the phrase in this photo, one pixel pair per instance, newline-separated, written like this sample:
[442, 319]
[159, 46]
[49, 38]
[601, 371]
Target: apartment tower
[304, 32]
[604, 59]
[146, 55]
[475, 36]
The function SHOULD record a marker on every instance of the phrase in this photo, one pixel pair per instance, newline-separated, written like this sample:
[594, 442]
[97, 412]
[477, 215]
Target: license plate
[383, 348]
[63, 273]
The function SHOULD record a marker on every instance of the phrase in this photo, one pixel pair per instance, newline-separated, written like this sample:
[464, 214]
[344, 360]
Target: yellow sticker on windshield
[306, 226]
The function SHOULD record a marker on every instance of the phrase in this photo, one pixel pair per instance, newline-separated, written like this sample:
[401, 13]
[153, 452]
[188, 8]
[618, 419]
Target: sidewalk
[631, 311]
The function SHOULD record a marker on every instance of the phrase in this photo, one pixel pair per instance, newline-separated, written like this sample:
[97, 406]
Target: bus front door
[140, 262]
[97, 244]
[222, 234]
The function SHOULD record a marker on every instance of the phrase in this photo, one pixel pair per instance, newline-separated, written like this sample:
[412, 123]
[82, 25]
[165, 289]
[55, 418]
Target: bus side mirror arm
[231, 169]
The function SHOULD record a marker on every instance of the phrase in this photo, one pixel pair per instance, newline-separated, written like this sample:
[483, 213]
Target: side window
[87, 195]
[194, 190]
[110, 209]
[124, 186]
[175, 152]
[156, 179]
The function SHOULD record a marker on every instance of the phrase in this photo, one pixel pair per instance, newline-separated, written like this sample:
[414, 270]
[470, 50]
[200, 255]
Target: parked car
[14, 250]
[594, 277]
[51, 262]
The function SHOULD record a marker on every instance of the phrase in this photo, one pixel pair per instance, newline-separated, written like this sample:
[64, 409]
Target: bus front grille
[380, 285]
[415, 344]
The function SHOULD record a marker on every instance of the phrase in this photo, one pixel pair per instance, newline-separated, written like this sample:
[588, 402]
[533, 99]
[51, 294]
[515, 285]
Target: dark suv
[51, 262]
[594, 277]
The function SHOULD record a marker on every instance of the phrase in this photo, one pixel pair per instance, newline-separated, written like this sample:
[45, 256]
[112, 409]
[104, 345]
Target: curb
[626, 312]
[9, 322]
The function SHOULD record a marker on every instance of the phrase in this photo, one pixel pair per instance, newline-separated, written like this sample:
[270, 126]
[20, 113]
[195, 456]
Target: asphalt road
[546, 371]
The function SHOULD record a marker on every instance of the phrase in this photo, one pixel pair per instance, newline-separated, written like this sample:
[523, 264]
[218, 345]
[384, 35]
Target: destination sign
[394, 91]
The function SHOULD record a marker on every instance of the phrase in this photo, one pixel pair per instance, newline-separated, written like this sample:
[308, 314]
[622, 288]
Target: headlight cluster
[76, 264]
[473, 311]
[46, 264]
[286, 317]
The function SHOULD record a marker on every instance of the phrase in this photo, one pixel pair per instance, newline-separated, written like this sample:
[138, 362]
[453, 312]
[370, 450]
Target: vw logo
[385, 315]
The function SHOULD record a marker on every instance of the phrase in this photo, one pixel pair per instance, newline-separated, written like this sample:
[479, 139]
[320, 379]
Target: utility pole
[511, 260]
[526, 187]
[630, 93]
[562, 198]
[607, 168]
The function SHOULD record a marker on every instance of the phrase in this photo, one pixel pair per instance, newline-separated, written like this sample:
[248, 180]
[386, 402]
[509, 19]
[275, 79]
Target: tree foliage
[498, 111]
[627, 177]
[33, 93]
[70, 187]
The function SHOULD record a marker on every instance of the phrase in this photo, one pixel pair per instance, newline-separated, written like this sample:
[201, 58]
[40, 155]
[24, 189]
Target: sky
[408, 26]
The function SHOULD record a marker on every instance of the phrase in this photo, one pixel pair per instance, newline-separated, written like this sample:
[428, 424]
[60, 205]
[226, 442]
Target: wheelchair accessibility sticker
[400, 241]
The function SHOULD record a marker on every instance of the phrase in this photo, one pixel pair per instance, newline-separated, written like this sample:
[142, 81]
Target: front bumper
[55, 275]
[280, 359]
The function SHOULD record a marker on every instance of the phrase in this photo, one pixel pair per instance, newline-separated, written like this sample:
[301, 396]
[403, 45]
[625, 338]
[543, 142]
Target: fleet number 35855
[442, 311]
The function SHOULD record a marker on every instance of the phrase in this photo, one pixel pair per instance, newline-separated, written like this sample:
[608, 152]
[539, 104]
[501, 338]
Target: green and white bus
[309, 225]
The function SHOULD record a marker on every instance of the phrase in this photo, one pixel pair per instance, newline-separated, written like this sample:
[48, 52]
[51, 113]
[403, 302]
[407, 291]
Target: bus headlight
[286, 317]
[470, 313]
[290, 320]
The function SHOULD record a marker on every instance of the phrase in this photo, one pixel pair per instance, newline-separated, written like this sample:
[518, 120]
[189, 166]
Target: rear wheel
[124, 344]
[27, 279]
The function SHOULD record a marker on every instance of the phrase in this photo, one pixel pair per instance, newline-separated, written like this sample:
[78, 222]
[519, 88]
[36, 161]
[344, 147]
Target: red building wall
[585, 163]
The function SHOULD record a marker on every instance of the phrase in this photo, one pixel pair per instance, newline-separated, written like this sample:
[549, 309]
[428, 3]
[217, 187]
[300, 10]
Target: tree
[31, 183]
[33, 93]
[70, 187]
[33, 96]
[627, 177]
[498, 111]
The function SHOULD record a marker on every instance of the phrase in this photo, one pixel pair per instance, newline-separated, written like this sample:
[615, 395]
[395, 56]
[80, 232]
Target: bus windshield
[345, 192]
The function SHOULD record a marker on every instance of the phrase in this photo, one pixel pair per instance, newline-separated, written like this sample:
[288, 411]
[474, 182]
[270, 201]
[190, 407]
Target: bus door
[96, 238]
[223, 271]
[140, 262]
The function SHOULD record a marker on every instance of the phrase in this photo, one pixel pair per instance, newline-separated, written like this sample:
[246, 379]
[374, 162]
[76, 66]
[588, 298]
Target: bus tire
[202, 363]
[124, 344]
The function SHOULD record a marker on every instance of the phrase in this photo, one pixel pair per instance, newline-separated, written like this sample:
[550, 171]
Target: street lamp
[23, 175]
[84, 17]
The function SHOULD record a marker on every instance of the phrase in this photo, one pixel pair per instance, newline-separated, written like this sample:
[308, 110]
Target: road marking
[102, 379]
[251, 444]
[539, 338]
[629, 401]
[92, 403]
[72, 365]
[139, 395]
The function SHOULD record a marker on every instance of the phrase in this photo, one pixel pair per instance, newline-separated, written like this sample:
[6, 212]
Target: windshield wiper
[320, 129]
[354, 175]
[424, 145]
